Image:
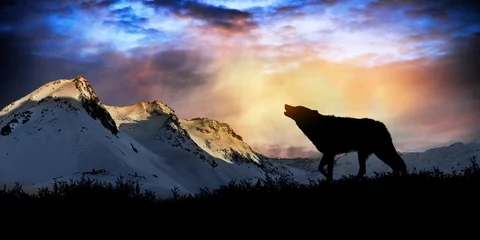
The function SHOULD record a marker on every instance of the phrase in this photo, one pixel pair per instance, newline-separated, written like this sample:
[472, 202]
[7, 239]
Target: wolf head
[300, 114]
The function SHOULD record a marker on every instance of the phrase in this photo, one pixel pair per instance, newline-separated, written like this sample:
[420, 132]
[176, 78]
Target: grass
[87, 192]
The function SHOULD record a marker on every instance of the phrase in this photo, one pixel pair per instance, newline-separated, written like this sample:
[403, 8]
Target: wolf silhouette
[334, 135]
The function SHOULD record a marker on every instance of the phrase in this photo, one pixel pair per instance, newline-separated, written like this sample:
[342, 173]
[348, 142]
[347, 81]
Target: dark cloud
[293, 6]
[284, 9]
[29, 18]
[23, 72]
[164, 3]
[452, 87]
[132, 27]
[168, 76]
[116, 78]
[427, 22]
[440, 9]
[434, 12]
[11, 64]
[232, 20]
[6, 3]
[128, 14]
[180, 69]
[392, 3]
[130, 22]
[458, 68]
[465, 62]
[92, 4]
[26, 11]
[26, 35]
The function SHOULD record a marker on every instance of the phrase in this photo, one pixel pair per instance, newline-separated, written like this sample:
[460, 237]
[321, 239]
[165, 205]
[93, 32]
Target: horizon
[412, 65]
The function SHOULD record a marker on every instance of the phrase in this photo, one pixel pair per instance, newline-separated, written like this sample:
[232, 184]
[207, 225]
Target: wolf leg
[330, 168]
[327, 159]
[362, 159]
[321, 166]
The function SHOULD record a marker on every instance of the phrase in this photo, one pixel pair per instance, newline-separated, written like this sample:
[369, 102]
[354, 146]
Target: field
[87, 192]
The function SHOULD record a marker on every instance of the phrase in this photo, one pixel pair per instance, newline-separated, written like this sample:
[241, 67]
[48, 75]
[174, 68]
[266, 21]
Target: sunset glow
[402, 62]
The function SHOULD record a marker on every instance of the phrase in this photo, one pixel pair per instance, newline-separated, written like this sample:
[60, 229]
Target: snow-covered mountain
[451, 158]
[63, 131]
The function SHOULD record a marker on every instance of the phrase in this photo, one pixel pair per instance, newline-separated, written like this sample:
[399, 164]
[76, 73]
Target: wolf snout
[287, 109]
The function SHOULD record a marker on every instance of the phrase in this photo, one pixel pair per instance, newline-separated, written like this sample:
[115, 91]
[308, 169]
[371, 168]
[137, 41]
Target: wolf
[333, 135]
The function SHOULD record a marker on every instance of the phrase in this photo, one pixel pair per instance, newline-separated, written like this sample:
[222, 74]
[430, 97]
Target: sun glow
[253, 100]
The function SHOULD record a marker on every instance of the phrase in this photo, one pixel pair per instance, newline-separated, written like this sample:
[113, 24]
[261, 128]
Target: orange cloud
[250, 97]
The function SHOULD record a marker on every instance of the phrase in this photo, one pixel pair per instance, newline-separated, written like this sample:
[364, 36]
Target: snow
[216, 137]
[62, 131]
[155, 126]
[447, 159]
[60, 140]
[64, 139]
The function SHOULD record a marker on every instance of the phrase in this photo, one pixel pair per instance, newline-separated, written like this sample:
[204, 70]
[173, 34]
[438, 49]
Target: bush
[282, 190]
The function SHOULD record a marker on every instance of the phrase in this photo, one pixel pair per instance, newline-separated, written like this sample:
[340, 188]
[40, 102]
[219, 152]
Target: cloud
[448, 90]
[93, 4]
[181, 69]
[285, 9]
[425, 102]
[240, 64]
[287, 152]
[224, 19]
[461, 12]
[7, 3]
[23, 72]
[166, 75]
[128, 14]
[131, 27]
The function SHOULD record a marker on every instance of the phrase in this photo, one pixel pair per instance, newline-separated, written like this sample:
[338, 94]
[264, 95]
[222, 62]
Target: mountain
[63, 131]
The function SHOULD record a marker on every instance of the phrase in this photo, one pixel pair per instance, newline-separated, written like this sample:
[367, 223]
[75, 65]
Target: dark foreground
[441, 187]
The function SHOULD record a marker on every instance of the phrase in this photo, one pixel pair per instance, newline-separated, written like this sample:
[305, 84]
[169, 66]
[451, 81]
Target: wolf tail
[400, 163]
[389, 155]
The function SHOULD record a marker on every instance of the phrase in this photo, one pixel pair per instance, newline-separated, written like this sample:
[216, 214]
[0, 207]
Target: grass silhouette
[282, 190]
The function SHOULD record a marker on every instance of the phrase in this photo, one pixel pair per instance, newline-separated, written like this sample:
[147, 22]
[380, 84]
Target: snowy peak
[217, 127]
[140, 111]
[68, 94]
[220, 140]
[208, 138]
[75, 89]
[156, 107]
[91, 103]
[156, 126]
[85, 89]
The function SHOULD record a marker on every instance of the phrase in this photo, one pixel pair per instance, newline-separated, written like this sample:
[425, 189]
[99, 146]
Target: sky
[415, 65]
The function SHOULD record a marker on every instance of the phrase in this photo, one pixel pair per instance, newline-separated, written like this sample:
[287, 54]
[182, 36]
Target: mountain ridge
[62, 130]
